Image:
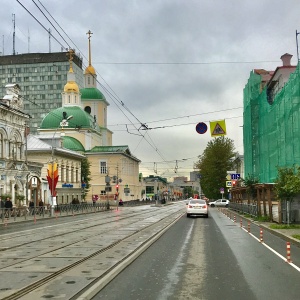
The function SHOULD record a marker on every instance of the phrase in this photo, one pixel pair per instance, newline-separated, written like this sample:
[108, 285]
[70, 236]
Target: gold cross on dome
[70, 53]
[89, 33]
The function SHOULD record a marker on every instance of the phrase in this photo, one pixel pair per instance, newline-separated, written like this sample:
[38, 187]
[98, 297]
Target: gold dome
[71, 86]
[90, 70]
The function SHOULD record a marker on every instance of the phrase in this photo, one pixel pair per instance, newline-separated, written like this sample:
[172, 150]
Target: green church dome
[72, 144]
[91, 94]
[80, 119]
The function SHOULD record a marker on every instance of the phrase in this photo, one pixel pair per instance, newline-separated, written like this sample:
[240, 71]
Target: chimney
[286, 59]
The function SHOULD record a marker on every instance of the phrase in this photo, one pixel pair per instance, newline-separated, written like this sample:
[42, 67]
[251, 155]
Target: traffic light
[117, 187]
[233, 182]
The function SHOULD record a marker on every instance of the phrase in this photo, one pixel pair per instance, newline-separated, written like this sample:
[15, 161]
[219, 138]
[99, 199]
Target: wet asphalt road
[210, 259]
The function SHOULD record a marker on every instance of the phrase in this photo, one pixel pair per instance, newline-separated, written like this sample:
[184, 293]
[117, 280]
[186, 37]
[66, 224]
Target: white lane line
[271, 249]
[268, 247]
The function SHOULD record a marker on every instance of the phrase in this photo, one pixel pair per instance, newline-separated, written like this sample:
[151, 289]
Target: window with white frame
[103, 167]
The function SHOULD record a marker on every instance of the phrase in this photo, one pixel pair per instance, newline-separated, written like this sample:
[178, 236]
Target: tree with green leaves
[216, 160]
[287, 186]
[189, 192]
[85, 176]
[287, 183]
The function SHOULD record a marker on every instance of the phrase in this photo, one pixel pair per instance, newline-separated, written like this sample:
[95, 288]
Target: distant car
[197, 207]
[219, 202]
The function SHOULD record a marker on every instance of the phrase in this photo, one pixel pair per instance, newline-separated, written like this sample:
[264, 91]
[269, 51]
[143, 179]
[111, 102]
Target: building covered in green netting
[272, 121]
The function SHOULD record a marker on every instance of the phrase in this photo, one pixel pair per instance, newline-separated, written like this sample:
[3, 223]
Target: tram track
[152, 231]
[10, 236]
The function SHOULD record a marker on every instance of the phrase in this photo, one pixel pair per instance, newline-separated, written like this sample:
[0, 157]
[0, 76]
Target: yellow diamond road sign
[228, 177]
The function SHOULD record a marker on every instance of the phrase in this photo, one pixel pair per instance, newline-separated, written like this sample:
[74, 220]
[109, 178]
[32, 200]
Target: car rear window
[197, 202]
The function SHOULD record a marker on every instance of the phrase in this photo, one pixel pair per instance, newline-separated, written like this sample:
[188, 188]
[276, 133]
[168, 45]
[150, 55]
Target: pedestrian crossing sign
[217, 128]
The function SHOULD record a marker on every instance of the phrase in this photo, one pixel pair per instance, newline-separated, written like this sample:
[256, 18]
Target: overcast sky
[172, 63]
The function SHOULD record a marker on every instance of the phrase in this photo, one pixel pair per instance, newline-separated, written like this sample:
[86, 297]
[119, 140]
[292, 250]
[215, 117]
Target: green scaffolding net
[271, 126]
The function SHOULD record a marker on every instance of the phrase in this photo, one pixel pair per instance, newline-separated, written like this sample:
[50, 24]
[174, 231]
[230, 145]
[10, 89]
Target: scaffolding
[271, 125]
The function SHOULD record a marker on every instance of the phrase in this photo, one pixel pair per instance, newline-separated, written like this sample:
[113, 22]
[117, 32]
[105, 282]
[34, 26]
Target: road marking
[268, 247]
[271, 249]
[172, 275]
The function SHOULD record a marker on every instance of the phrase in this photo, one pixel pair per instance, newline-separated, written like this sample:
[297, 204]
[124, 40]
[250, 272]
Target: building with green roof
[80, 125]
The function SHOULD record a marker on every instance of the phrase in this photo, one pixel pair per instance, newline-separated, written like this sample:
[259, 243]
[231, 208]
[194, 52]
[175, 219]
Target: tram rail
[149, 229]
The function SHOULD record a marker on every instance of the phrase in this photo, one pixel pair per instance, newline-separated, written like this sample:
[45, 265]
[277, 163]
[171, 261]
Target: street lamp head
[69, 118]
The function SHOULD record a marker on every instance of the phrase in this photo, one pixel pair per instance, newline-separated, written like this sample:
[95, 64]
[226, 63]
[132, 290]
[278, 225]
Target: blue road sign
[235, 176]
[201, 128]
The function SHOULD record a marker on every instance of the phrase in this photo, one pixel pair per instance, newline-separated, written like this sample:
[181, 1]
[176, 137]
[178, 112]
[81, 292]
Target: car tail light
[204, 206]
[190, 206]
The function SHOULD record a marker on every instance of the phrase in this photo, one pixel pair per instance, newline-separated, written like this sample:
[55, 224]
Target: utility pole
[28, 41]
[14, 34]
[49, 31]
[297, 46]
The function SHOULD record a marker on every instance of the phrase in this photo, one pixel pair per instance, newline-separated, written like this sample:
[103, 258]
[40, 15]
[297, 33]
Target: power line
[186, 63]
[112, 95]
[178, 125]
[187, 116]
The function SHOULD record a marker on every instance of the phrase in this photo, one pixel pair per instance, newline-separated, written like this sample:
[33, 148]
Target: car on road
[219, 202]
[197, 207]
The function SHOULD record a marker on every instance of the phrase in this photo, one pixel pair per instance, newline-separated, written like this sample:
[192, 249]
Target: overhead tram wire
[112, 96]
[120, 102]
[59, 27]
[185, 63]
[51, 23]
[142, 125]
[41, 24]
[177, 125]
[182, 117]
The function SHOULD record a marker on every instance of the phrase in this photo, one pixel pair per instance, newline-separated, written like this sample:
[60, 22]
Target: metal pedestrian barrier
[25, 213]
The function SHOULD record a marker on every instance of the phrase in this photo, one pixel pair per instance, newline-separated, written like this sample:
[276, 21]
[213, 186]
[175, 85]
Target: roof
[110, 149]
[72, 144]
[90, 70]
[91, 94]
[80, 119]
[34, 144]
[113, 149]
[37, 58]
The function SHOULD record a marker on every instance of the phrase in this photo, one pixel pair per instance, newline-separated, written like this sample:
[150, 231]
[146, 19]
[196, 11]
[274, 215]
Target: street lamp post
[54, 170]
